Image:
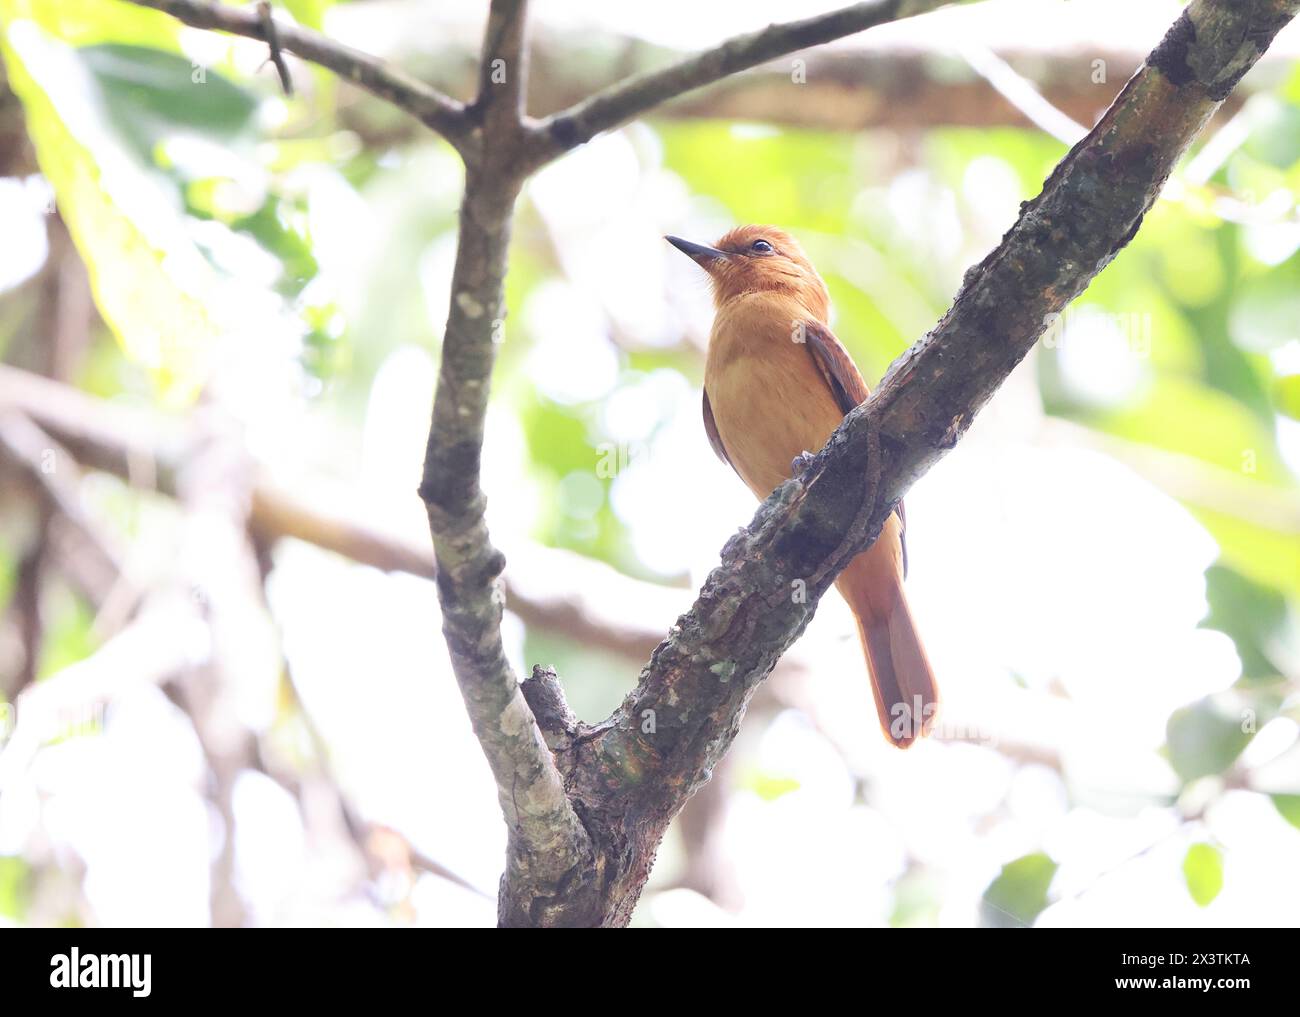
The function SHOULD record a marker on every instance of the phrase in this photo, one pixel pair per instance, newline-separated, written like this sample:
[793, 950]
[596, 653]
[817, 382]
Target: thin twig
[272, 34]
[442, 113]
[55, 475]
[1021, 93]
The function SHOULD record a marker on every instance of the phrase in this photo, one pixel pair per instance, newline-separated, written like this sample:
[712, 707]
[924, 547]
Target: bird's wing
[901, 512]
[835, 364]
[711, 429]
[846, 385]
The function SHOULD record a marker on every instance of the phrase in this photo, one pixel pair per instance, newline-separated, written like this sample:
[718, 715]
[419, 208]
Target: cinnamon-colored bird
[776, 385]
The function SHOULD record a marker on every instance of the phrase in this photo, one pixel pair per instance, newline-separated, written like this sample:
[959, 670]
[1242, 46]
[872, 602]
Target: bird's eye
[761, 247]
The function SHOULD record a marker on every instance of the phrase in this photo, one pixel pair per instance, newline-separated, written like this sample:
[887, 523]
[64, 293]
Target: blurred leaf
[1264, 555]
[1031, 154]
[1204, 739]
[1289, 807]
[13, 887]
[1182, 415]
[308, 12]
[272, 227]
[1192, 268]
[1265, 309]
[918, 898]
[1251, 614]
[557, 437]
[69, 634]
[767, 786]
[1203, 871]
[1286, 394]
[86, 22]
[1019, 894]
[1274, 131]
[799, 180]
[8, 576]
[151, 285]
[150, 95]
[413, 208]
[873, 338]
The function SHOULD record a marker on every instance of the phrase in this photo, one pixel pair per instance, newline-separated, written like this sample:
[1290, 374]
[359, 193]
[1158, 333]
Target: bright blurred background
[220, 312]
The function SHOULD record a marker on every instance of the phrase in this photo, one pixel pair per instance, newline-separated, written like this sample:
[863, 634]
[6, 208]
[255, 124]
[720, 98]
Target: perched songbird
[776, 385]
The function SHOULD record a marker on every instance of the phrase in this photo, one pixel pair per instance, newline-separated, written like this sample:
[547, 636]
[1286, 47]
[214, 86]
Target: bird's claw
[800, 463]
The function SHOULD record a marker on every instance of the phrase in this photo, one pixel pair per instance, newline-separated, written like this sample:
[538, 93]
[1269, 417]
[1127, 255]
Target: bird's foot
[801, 462]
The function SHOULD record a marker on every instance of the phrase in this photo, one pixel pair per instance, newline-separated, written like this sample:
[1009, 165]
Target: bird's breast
[768, 399]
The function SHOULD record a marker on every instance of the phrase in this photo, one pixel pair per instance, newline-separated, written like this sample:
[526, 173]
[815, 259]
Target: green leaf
[1286, 395]
[1019, 894]
[1251, 614]
[1274, 132]
[1188, 418]
[272, 226]
[1267, 556]
[308, 12]
[14, 875]
[1204, 739]
[918, 899]
[69, 635]
[1289, 807]
[804, 180]
[767, 786]
[8, 577]
[1182, 415]
[1203, 871]
[1264, 310]
[86, 22]
[150, 96]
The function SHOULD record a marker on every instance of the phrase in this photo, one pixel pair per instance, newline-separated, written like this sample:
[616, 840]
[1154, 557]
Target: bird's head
[750, 259]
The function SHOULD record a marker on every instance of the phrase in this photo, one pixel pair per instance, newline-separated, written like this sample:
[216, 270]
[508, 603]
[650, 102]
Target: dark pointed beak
[698, 253]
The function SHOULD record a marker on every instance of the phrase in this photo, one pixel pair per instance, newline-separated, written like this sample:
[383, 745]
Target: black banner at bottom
[140, 967]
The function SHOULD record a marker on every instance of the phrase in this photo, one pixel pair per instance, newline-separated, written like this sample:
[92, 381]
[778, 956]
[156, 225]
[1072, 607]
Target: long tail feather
[902, 681]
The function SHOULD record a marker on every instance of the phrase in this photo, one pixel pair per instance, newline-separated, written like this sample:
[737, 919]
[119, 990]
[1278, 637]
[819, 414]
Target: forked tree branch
[439, 112]
[548, 846]
[587, 806]
[629, 775]
[555, 874]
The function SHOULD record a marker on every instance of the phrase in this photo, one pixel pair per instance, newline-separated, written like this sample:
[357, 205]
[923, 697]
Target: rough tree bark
[588, 805]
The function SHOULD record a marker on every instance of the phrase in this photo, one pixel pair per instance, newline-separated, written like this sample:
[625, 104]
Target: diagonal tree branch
[439, 112]
[54, 474]
[629, 99]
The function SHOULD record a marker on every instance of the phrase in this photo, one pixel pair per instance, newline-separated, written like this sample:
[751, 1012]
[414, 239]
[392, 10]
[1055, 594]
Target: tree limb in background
[213, 597]
[629, 99]
[549, 589]
[443, 114]
[55, 476]
[560, 591]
